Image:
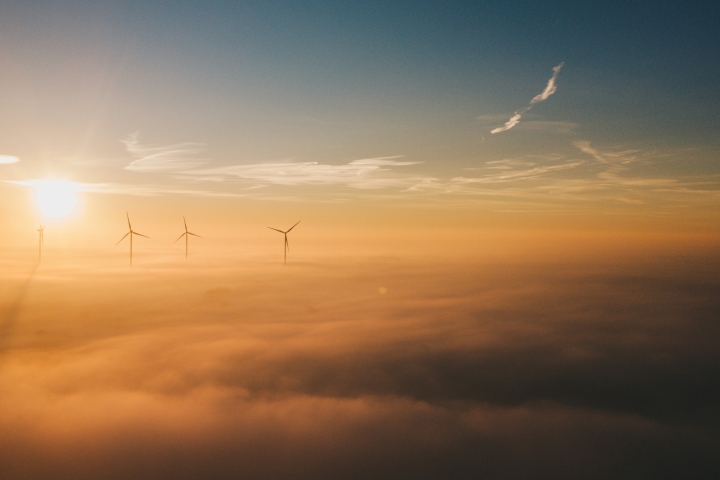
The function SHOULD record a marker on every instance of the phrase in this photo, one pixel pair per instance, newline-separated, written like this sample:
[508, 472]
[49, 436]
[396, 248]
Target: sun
[56, 198]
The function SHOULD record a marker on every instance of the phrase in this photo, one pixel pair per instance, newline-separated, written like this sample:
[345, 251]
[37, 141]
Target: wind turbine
[186, 235]
[131, 233]
[41, 241]
[287, 245]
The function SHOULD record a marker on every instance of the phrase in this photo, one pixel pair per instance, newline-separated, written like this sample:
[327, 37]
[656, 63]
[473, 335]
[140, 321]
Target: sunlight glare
[56, 198]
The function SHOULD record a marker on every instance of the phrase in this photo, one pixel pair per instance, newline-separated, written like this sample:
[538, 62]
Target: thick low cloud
[491, 370]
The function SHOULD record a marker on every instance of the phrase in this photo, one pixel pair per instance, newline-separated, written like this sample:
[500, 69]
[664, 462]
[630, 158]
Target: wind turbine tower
[186, 235]
[41, 241]
[131, 233]
[287, 245]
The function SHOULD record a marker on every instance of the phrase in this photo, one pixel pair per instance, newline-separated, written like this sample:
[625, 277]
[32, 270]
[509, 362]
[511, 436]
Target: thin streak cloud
[548, 181]
[368, 173]
[518, 174]
[162, 158]
[147, 190]
[614, 175]
[6, 159]
[549, 90]
[514, 120]
[621, 157]
[585, 147]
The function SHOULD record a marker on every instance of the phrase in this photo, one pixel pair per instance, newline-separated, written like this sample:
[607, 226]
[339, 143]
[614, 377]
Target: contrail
[549, 90]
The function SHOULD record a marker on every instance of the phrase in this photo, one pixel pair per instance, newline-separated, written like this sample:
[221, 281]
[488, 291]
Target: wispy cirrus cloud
[619, 157]
[584, 146]
[143, 190]
[549, 90]
[162, 158]
[530, 170]
[6, 159]
[530, 125]
[368, 173]
[563, 182]
[514, 120]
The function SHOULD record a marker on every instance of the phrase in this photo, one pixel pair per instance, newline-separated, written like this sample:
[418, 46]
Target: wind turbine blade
[287, 245]
[293, 227]
[179, 237]
[185, 223]
[123, 238]
[276, 230]
[190, 233]
[135, 233]
[128, 218]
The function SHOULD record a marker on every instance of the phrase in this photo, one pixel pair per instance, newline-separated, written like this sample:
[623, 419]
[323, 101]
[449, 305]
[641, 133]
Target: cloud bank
[583, 369]
[549, 90]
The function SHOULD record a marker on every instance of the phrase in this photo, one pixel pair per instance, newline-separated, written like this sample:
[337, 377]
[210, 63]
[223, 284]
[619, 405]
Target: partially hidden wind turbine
[186, 235]
[41, 241]
[287, 245]
[131, 233]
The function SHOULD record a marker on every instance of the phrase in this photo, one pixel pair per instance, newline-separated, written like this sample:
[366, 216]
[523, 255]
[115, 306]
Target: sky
[371, 103]
[505, 265]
